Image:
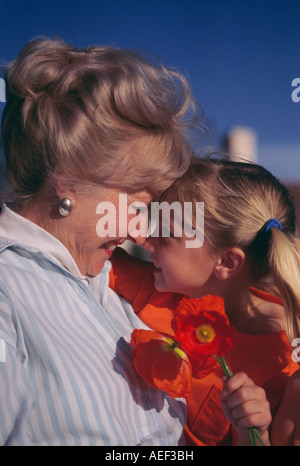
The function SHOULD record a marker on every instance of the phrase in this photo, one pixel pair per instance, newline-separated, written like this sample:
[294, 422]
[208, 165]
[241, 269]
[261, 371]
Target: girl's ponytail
[284, 264]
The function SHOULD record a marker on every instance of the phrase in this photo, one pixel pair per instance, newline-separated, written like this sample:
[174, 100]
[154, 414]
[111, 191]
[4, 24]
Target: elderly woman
[80, 127]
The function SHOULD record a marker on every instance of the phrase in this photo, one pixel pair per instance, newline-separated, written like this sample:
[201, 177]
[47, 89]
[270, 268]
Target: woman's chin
[96, 262]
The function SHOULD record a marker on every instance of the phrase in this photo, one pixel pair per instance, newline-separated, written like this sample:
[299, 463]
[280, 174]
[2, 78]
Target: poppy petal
[162, 366]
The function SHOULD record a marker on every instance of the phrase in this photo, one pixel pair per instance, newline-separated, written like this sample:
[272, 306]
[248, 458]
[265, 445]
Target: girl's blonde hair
[239, 200]
[100, 115]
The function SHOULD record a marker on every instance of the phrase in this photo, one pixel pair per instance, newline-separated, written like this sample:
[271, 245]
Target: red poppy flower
[202, 327]
[193, 306]
[161, 363]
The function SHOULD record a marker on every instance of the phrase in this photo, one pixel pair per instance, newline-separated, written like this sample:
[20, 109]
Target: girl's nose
[139, 240]
[149, 245]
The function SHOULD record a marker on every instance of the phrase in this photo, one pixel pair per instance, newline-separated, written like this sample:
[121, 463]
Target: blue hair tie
[272, 223]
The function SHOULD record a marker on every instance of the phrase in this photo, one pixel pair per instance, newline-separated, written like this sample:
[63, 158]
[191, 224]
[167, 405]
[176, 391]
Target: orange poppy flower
[161, 363]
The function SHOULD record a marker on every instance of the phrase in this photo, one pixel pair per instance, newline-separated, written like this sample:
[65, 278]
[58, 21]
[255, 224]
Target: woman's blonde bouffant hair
[100, 115]
[239, 200]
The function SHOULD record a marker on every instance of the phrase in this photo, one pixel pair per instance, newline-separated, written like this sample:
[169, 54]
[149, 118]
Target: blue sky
[241, 56]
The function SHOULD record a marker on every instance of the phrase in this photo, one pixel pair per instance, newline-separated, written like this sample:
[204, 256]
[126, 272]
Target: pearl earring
[65, 207]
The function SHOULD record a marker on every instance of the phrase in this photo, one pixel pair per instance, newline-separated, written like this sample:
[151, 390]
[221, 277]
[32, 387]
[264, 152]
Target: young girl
[250, 257]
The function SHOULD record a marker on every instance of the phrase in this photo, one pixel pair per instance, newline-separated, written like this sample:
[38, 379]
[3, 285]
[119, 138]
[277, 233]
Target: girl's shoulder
[268, 312]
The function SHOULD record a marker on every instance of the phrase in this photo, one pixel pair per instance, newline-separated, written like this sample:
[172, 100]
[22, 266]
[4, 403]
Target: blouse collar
[21, 230]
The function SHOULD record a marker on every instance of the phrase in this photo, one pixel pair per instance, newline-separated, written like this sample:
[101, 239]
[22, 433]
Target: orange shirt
[265, 358]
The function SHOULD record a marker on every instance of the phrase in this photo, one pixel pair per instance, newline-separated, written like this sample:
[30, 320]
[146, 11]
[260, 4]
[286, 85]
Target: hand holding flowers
[245, 405]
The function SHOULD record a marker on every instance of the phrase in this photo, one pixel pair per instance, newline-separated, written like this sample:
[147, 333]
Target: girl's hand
[245, 405]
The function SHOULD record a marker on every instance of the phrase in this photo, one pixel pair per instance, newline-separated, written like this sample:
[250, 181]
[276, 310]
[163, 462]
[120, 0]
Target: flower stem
[253, 432]
[222, 361]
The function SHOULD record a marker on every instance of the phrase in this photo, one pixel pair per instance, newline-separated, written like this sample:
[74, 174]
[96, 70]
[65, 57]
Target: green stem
[257, 436]
[253, 432]
[222, 361]
[252, 436]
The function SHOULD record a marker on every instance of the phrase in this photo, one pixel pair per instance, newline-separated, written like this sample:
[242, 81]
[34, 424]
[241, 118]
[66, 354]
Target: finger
[255, 420]
[251, 408]
[245, 394]
[232, 384]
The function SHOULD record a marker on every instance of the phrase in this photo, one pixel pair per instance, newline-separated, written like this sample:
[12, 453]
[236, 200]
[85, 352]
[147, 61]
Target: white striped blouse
[66, 373]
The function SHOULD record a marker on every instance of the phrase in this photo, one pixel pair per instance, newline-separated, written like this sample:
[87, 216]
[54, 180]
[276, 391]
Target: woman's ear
[229, 263]
[63, 197]
[62, 190]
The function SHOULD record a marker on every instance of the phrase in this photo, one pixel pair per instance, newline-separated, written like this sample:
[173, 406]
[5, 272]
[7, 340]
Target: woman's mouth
[110, 246]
